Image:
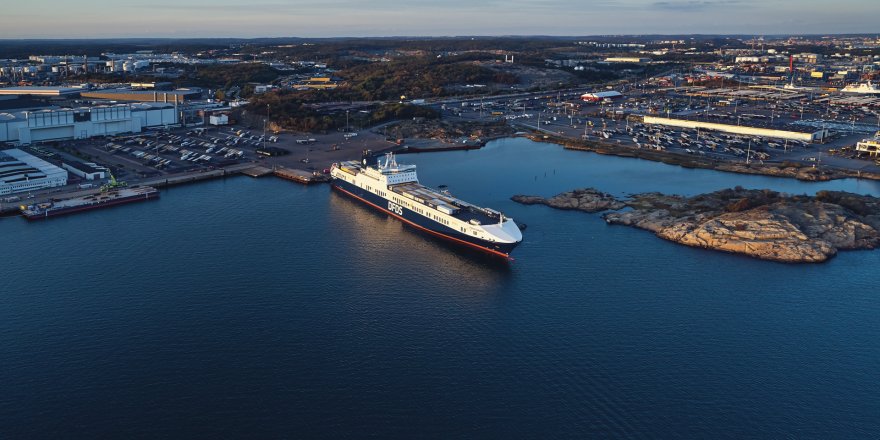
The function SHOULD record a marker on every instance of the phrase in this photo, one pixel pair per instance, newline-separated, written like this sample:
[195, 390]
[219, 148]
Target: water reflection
[521, 166]
[381, 240]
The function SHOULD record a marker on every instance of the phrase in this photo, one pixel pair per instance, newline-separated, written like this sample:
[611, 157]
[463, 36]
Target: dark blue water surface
[263, 309]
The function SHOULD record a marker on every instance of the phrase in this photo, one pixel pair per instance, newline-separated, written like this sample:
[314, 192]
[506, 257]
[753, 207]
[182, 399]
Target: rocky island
[759, 223]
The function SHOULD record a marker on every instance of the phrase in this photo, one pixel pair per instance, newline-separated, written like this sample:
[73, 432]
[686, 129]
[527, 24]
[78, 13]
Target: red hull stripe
[441, 235]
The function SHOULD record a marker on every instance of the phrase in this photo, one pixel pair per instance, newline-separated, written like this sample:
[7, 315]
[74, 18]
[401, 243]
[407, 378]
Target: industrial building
[178, 96]
[803, 134]
[634, 60]
[86, 170]
[39, 91]
[20, 172]
[317, 83]
[24, 128]
[869, 146]
[601, 96]
[219, 119]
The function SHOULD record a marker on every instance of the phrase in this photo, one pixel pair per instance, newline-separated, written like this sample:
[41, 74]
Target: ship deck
[432, 198]
[98, 198]
[462, 210]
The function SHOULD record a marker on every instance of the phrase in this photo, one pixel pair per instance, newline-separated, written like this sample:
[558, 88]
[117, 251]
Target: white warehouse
[803, 134]
[20, 171]
[24, 128]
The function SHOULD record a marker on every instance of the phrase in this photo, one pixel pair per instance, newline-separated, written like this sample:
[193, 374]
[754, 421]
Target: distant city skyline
[349, 18]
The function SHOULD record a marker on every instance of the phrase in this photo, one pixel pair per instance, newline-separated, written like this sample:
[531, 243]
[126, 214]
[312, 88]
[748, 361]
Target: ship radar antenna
[390, 161]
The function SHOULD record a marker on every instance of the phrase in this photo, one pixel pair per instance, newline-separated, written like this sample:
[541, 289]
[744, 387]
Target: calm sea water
[258, 308]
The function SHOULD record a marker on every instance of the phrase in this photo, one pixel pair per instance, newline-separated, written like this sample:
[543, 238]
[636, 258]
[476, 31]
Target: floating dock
[256, 171]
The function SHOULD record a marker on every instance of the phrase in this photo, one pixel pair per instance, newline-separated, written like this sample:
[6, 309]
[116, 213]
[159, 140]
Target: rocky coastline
[758, 223]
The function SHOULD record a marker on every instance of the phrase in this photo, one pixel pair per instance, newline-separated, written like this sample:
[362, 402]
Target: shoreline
[790, 170]
[803, 173]
[12, 209]
[784, 170]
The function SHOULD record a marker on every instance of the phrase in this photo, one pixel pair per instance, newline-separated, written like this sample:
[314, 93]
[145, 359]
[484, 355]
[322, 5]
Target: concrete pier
[256, 171]
[300, 176]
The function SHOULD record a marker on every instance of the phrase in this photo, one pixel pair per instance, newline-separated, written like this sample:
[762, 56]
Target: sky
[344, 18]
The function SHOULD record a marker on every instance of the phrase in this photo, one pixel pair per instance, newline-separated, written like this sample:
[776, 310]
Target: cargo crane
[113, 183]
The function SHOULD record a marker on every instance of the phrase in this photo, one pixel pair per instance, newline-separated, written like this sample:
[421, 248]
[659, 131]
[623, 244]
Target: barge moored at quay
[94, 201]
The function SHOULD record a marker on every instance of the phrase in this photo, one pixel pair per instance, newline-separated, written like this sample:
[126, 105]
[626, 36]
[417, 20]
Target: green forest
[288, 111]
[415, 78]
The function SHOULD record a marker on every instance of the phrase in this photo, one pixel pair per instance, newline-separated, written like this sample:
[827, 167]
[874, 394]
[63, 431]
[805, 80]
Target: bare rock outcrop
[588, 200]
[759, 223]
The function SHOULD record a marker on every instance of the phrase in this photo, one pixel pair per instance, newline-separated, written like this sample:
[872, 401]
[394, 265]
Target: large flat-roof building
[634, 60]
[20, 172]
[799, 133]
[24, 128]
[601, 96]
[39, 91]
[178, 96]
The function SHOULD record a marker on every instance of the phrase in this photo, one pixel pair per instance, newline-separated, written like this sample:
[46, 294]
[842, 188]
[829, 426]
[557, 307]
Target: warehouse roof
[39, 90]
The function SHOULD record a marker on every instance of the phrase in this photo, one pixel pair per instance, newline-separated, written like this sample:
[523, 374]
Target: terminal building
[25, 128]
[20, 172]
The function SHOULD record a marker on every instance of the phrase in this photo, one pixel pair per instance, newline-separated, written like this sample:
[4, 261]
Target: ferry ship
[863, 88]
[110, 198]
[395, 189]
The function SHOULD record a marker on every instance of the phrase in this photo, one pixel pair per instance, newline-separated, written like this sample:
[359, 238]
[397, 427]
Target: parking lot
[566, 115]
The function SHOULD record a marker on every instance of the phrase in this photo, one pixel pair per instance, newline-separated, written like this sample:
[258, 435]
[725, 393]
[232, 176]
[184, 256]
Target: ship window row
[440, 220]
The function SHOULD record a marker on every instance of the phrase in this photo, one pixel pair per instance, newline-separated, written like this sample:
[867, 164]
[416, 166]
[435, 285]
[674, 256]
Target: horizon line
[784, 34]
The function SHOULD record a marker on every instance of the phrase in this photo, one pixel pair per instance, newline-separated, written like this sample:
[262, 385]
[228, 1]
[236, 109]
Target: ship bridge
[391, 172]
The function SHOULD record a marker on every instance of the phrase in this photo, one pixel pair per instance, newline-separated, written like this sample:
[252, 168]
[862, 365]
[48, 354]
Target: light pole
[749, 153]
[265, 123]
[346, 121]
